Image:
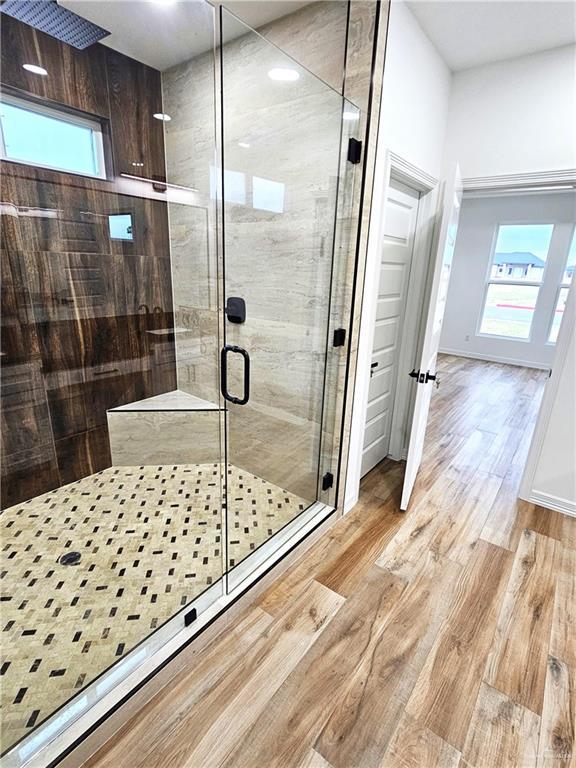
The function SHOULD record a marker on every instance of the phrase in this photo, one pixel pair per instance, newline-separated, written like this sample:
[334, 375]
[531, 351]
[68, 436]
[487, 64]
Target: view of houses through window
[517, 272]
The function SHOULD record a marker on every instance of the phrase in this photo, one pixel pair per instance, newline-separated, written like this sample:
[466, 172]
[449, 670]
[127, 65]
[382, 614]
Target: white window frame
[528, 283]
[559, 288]
[566, 286]
[63, 116]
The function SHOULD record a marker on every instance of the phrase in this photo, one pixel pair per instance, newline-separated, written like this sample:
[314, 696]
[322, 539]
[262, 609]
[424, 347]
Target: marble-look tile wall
[278, 253]
[278, 260]
[189, 97]
[150, 438]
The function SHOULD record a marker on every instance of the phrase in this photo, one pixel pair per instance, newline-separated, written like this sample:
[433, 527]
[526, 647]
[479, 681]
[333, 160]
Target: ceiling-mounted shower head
[49, 17]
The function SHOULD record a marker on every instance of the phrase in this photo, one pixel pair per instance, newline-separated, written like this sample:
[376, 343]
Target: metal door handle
[432, 377]
[224, 374]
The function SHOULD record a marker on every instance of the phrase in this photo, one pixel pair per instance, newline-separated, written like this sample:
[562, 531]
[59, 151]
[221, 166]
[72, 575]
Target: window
[38, 135]
[560, 305]
[516, 273]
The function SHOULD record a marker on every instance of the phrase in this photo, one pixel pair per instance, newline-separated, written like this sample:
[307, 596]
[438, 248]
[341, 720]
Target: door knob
[432, 377]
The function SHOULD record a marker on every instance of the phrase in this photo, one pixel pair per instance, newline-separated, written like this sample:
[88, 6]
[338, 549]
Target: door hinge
[327, 481]
[190, 617]
[354, 151]
[339, 337]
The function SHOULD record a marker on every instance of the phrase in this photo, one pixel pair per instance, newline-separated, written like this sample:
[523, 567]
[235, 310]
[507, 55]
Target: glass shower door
[281, 138]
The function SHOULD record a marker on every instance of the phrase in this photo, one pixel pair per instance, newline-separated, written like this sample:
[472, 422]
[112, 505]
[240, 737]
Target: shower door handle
[224, 374]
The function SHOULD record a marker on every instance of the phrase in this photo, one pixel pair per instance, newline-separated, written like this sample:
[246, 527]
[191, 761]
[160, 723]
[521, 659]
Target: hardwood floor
[444, 636]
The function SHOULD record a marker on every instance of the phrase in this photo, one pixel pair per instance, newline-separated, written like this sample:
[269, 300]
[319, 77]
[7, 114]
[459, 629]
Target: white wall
[514, 116]
[479, 219]
[416, 94]
[550, 478]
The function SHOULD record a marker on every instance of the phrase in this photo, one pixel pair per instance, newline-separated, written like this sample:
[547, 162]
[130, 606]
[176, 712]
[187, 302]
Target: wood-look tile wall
[77, 305]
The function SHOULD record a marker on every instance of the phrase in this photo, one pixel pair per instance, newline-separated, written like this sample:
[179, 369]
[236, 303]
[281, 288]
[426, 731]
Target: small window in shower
[39, 135]
[120, 226]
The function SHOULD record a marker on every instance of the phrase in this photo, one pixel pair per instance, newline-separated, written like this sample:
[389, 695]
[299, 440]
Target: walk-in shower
[177, 214]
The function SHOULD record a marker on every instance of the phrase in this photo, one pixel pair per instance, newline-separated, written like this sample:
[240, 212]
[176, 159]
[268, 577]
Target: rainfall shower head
[49, 17]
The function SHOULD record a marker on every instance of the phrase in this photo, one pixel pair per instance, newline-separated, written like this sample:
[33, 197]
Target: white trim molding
[389, 166]
[411, 175]
[515, 182]
[564, 506]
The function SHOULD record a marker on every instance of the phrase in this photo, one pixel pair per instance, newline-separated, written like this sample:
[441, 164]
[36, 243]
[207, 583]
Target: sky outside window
[529, 238]
[40, 139]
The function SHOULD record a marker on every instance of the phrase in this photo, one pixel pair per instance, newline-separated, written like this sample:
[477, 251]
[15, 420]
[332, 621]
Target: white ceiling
[468, 33]
[163, 34]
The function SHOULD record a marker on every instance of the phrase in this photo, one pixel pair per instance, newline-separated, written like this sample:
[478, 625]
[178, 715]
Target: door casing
[390, 166]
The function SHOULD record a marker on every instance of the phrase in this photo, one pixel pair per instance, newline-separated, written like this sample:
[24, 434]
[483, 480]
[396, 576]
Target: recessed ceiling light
[350, 116]
[281, 73]
[244, 144]
[138, 165]
[162, 116]
[35, 69]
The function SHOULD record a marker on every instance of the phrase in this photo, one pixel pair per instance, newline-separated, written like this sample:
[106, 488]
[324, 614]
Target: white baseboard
[350, 502]
[494, 358]
[555, 503]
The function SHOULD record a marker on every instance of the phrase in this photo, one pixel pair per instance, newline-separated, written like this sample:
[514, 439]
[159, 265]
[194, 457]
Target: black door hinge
[339, 337]
[327, 481]
[190, 617]
[354, 151]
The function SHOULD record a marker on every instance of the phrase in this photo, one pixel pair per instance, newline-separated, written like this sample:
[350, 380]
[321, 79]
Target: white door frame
[388, 166]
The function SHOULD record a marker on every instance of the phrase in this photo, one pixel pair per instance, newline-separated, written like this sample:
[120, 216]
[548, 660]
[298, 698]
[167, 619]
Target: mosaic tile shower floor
[149, 540]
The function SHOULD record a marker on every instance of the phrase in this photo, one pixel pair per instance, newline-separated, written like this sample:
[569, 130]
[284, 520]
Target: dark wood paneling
[75, 78]
[137, 137]
[78, 306]
[83, 454]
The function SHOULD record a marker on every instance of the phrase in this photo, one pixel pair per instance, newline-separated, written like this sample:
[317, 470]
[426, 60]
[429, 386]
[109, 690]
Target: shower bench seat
[173, 428]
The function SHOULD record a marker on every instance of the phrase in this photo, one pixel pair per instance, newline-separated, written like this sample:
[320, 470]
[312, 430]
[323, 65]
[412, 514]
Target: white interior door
[425, 372]
[400, 217]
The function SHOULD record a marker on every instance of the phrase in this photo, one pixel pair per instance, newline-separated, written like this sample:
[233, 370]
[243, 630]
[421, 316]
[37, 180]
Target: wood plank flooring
[444, 636]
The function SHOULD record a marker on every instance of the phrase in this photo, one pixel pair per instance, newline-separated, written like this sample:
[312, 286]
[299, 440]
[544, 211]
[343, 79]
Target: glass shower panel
[281, 151]
[111, 454]
[340, 303]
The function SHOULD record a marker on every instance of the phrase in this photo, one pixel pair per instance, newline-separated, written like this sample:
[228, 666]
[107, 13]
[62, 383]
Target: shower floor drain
[70, 558]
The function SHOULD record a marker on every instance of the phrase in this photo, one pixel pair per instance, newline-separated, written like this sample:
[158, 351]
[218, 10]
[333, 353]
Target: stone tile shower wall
[282, 406]
[287, 308]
